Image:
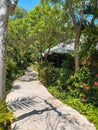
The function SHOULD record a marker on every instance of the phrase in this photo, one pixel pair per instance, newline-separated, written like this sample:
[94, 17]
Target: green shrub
[83, 86]
[6, 115]
[17, 61]
[48, 75]
[64, 75]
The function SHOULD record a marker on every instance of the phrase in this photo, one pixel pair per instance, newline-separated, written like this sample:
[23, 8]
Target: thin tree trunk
[77, 40]
[3, 35]
[77, 28]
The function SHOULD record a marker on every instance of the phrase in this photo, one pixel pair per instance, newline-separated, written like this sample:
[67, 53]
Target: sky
[28, 4]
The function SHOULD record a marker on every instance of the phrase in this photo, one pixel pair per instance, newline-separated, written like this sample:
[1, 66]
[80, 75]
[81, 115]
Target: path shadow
[15, 127]
[28, 78]
[34, 112]
[16, 87]
[59, 121]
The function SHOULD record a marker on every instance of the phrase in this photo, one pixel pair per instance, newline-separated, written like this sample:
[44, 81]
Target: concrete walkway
[37, 109]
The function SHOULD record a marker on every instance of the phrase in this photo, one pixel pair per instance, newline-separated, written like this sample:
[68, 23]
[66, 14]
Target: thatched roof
[60, 48]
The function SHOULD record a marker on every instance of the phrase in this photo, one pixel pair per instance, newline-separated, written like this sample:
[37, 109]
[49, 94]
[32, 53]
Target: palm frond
[22, 103]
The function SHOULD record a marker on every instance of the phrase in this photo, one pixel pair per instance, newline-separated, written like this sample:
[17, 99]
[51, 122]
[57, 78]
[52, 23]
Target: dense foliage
[30, 34]
[78, 90]
[19, 52]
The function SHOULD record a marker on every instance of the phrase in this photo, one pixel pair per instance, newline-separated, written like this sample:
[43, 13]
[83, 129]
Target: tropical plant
[6, 116]
[6, 110]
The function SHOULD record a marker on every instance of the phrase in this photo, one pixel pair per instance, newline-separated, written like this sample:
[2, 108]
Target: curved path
[37, 109]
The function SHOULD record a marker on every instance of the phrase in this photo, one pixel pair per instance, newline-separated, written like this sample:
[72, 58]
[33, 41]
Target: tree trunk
[77, 40]
[6, 8]
[78, 29]
[3, 35]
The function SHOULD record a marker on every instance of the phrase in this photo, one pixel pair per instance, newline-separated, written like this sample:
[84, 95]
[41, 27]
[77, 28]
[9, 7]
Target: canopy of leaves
[19, 13]
[45, 27]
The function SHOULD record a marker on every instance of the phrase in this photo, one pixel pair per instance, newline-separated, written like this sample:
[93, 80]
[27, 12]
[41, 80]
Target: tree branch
[72, 13]
[92, 20]
[12, 6]
[82, 13]
[94, 17]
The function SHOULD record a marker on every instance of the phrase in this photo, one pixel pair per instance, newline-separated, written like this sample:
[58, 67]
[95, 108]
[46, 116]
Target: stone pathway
[37, 109]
